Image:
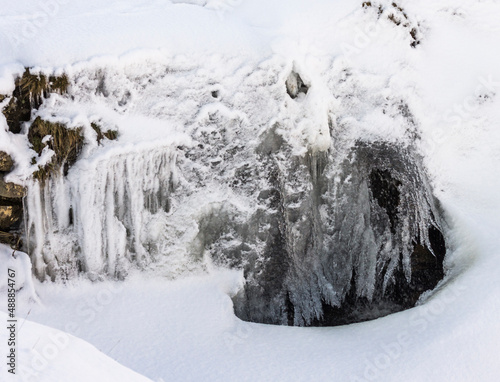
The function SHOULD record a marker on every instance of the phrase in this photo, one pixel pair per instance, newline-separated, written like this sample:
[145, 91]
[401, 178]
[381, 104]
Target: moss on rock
[111, 134]
[59, 84]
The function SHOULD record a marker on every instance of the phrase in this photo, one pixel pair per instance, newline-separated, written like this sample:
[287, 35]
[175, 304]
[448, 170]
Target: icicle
[110, 201]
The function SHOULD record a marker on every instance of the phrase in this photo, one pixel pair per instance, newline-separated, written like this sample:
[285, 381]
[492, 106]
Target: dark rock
[10, 190]
[6, 162]
[10, 217]
[385, 189]
[17, 111]
[11, 239]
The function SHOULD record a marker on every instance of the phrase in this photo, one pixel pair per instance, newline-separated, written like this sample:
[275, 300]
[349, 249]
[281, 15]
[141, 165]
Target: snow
[183, 328]
[43, 353]
[186, 330]
[51, 355]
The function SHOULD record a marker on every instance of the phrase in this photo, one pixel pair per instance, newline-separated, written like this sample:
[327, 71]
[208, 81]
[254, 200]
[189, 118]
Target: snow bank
[21, 264]
[45, 354]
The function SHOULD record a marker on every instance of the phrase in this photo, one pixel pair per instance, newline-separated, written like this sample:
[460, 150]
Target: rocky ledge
[11, 204]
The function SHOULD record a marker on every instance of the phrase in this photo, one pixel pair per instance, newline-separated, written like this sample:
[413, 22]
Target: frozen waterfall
[329, 222]
[94, 220]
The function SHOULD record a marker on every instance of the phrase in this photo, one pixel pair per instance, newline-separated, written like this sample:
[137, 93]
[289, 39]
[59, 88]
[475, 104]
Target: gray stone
[295, 85]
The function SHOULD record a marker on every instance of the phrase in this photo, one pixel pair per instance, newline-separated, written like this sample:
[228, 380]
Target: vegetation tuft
[59, 84]
[109, 134]
[368, 4]
[398, 17]
[66, 144]
[29, 92]
[35, 86]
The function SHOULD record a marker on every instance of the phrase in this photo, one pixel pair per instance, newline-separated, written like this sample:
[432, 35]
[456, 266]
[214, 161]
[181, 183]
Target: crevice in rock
[385, 189]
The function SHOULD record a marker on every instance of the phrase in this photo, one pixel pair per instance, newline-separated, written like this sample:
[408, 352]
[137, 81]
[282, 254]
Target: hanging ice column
[357, 235]
[93, 219]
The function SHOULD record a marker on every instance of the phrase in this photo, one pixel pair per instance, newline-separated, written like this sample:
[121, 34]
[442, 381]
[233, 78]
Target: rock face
[11, 206]
[29, 92]
[66, 144]
[6, 162]
[10, 190]
[390, 216]
[10, 217]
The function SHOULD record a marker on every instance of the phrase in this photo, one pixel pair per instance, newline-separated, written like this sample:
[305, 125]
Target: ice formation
[330, 222]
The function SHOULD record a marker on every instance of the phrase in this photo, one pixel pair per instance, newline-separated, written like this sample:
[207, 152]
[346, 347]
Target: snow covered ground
[185, 329]
[44, 353]
[50, 355]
